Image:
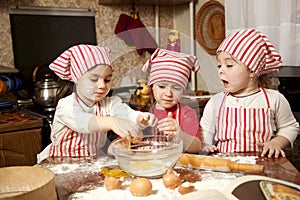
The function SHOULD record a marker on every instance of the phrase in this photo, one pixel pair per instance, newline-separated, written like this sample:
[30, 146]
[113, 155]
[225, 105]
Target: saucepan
[45, 89]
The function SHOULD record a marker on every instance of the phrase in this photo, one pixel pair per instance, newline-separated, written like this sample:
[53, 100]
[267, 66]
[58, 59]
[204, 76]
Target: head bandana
[253, 49]
[171, 66]
[75, 61]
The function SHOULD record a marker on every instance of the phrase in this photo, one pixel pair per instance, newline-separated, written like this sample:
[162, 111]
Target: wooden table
[279, 168]
[75, 175]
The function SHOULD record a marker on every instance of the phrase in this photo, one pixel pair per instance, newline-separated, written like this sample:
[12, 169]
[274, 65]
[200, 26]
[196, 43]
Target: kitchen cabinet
[20, 138]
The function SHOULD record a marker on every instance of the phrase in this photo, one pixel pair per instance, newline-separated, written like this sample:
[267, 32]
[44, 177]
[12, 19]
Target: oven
[46, 115]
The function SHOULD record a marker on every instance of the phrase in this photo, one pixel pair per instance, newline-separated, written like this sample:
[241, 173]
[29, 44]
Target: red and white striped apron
[74, 144]
[240, 129]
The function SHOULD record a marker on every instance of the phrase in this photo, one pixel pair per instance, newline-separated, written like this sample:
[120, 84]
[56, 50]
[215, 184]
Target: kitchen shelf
[4, 69]
[145, 2]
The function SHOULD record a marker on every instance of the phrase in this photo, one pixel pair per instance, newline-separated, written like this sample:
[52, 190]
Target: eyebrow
[99, 75]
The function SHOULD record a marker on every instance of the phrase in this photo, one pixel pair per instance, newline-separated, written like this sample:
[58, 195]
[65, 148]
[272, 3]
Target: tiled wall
[106, 18]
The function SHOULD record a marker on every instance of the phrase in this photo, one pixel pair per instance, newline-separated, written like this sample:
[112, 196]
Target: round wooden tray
[210, 26]
[27, 182]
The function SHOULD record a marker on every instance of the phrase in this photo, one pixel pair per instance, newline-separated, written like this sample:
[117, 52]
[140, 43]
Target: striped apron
[240, 129]
[74, 144]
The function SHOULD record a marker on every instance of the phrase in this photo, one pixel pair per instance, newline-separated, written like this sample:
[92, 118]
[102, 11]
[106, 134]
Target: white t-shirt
[282, 121]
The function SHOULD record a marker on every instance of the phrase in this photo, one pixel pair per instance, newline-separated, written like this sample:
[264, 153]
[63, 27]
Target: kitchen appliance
[47, 118]
[40, 34]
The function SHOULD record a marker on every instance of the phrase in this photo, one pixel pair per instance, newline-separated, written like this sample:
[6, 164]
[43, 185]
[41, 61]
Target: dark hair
[65, 88]
[268, 81]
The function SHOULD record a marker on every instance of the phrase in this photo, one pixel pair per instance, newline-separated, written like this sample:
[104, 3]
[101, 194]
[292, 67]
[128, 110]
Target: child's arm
[169, 126]
[286, 125]
[146, 119]
[122, 110]
[208, 122]
[123, 127]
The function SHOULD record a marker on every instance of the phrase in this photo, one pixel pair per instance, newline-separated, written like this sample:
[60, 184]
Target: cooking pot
[45, 90]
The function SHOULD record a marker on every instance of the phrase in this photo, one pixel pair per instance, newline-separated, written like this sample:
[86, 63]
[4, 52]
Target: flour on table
[63, 168]
[210, 180]
[159, 192]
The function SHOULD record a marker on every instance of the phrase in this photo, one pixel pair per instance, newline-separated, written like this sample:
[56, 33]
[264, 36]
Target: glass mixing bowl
[152, 157]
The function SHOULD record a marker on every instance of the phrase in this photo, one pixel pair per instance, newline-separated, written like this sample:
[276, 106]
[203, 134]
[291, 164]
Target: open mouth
[225, 83]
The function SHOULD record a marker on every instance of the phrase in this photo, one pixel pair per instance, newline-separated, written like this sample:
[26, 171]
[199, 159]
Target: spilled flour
[90, 185]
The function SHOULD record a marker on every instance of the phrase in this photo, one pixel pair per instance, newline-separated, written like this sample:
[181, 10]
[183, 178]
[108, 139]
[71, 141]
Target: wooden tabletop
[79, 175]
[279, 168]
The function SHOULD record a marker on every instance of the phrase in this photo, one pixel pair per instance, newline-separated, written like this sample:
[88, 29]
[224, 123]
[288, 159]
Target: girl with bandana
[169, 72]
[83, 118]
[247, 116]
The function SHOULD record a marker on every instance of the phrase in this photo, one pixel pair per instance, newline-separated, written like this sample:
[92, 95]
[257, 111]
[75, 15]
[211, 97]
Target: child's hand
[126, 128]
[271, 147]
[209, 148]
[146, 119]
[169, 126]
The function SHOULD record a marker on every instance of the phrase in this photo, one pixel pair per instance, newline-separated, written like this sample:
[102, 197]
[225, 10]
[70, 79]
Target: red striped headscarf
[253, 49]
[171, 66]
[75, 61]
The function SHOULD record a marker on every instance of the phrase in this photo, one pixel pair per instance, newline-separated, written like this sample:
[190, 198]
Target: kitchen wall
[106, 17]
[207, 79]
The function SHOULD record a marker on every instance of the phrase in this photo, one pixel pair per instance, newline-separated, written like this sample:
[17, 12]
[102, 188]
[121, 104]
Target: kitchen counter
[20, 138]
[80, 178]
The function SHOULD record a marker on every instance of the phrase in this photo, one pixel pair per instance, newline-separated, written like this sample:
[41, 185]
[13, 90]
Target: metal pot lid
[47, 82]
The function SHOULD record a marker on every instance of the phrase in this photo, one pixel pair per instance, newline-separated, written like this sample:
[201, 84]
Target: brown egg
[140, 187]
[171, 180]
[185, 188]
[112, 183]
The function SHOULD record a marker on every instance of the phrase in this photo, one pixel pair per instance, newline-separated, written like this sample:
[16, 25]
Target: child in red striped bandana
[83, 118]
[247, 116]
[169, 72]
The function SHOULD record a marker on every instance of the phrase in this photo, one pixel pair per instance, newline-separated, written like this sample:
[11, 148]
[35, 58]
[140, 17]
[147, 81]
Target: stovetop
[38, 111]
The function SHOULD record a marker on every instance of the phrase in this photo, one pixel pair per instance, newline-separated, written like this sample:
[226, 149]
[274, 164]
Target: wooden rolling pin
[208, 161]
